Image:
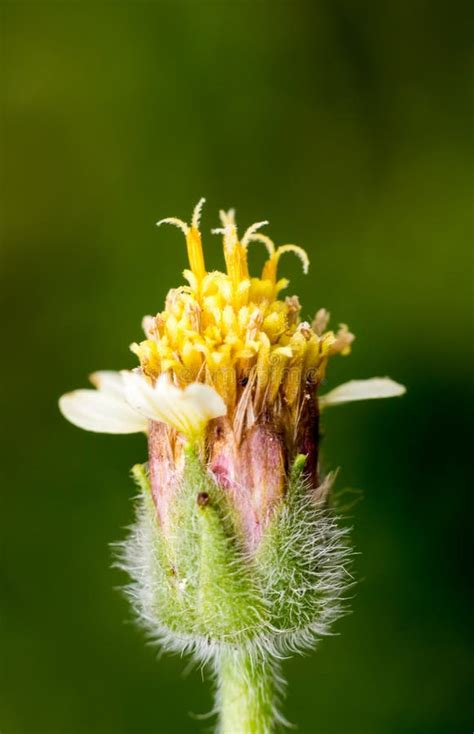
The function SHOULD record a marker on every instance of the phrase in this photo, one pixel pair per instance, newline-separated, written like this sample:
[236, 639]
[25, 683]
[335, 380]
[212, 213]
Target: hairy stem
[245, 693]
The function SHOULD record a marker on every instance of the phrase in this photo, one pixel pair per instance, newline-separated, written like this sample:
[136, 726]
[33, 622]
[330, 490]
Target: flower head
[235, 554]
[229, 365]
[230, 329]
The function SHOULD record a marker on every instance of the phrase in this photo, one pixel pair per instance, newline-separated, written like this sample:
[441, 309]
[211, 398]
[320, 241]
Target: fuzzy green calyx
[198, 589]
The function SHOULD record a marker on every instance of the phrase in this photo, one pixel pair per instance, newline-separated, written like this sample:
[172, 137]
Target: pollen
[231, 330]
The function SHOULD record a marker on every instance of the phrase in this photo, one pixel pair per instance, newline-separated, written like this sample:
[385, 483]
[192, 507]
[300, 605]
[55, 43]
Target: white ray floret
[125, 402]
[104, 410]
[188, 410]
[372, 389]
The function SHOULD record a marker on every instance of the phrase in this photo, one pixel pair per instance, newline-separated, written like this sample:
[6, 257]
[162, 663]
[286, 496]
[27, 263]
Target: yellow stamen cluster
[232, 331]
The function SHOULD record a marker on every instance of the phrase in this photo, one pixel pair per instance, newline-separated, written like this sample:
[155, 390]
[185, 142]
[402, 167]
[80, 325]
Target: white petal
[101, 411]
[188, 410]
[206, 400]
[377, 387]
[108, 381]
[139, 394]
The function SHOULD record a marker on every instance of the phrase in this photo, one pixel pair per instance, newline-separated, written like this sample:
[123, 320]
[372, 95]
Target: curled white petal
[188, 410]
[102, 411]
[376, 387]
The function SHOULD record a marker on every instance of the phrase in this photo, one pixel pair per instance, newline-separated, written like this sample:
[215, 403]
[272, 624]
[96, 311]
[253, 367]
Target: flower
[229, 365]
[236, 554]
[125, 402]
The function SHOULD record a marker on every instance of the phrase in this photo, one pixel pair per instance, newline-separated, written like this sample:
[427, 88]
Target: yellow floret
[231, 330]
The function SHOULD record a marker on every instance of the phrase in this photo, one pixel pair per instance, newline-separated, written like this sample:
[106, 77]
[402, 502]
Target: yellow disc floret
[232, 331]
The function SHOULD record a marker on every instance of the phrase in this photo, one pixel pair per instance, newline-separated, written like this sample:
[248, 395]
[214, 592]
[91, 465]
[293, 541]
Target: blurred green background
[348, 126]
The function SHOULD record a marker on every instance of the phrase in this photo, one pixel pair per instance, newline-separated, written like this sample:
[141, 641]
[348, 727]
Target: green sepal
[227, 601]
[297, 469]
[299, 558]
[203, 583]
[296, 482]
[141, 478]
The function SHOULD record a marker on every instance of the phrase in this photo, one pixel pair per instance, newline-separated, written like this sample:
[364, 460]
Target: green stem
[245, 694]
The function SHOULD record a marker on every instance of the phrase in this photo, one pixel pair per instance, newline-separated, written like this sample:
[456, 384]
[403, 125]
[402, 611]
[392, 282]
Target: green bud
[198, 589]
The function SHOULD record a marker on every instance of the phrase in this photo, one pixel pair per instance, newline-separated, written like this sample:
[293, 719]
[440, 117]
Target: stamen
[195, 253]
[175, 222]
[193, 240]
[320, 321]
[299, 252]
[197, 213]
[227, 218]
[269, 244]
[251, 231]
[230, 236]
[234, 253]
[271, 266]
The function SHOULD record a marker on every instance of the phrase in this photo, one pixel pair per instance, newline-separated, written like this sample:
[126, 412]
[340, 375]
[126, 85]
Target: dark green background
[348, 126]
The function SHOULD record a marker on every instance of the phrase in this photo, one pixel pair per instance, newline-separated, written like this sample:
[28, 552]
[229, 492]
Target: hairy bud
[198, 589]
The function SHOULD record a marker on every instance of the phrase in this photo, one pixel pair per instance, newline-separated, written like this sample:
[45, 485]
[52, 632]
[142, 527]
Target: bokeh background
[348, 126]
